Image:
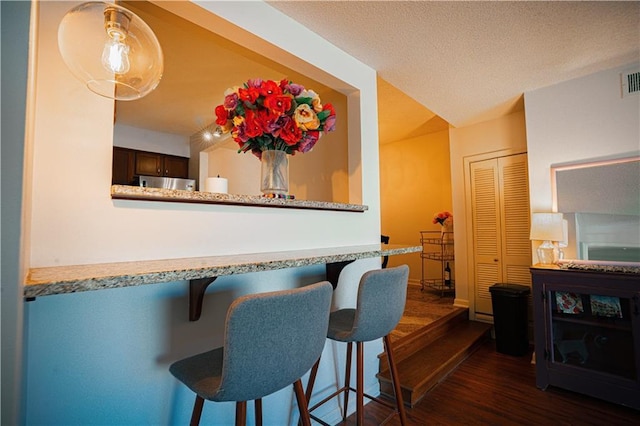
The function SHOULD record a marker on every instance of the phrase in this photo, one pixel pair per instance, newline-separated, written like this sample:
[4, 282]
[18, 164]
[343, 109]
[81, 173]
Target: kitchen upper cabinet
[124, 163]
[176, 166]
[128, 164]
[149, 164]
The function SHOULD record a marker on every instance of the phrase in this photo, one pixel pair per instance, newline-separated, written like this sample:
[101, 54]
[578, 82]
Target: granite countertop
[76, 278]
[124, 192]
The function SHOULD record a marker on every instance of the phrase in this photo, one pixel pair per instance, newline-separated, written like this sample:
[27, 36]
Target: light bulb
[111, 50]
[207, 136]
[115, 56]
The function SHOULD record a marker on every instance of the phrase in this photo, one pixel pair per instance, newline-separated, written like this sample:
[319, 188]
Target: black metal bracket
[333, 271]
[197, 288]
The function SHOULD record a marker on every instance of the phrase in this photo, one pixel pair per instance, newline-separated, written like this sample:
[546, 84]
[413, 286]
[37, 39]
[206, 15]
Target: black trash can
[510, 318]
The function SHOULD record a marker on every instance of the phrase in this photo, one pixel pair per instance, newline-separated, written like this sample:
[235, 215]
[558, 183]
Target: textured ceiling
[472, 61]
[438, 63]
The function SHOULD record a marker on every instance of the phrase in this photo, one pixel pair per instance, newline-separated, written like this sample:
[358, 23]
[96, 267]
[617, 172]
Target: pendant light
[112, 50]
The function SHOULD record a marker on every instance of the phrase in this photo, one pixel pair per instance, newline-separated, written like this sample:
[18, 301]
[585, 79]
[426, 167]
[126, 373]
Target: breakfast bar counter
[200, 271]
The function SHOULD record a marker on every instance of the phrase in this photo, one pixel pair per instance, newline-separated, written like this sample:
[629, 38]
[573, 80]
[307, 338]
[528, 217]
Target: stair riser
[433, 363]
[409, 345]
[412, 396]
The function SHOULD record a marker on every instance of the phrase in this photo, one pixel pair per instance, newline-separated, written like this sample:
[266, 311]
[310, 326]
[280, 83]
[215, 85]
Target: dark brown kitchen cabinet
[587, 332]
[177, 167]
[149, 164]
[124, 163]
[128, 164]
[154, 164]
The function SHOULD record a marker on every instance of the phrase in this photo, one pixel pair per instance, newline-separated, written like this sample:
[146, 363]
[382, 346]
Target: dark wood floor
[495, 389]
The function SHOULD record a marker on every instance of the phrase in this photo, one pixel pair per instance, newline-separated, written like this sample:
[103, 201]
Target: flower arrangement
[443, 218]
[265, 115]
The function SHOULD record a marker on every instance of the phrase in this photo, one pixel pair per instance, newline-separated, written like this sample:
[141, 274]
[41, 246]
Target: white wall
[126, 136]
[104, 355]
[578, 120]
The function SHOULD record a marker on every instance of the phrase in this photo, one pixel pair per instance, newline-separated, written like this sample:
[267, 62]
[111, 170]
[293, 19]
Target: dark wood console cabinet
[130, 163]
[587, 332]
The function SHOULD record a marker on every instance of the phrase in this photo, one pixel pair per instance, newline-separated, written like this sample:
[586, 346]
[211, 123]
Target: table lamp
[546, 227]
[564, 243]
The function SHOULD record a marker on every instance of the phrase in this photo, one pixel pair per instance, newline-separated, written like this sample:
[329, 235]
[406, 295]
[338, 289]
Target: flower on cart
[443, 218]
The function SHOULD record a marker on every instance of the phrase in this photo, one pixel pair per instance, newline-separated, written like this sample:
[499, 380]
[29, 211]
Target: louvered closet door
[500, 211]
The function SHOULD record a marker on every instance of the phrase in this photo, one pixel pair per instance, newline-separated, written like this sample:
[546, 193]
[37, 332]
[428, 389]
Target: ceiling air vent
[630, 83]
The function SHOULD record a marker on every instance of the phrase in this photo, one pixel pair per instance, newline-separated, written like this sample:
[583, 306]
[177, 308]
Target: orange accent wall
[415, 184]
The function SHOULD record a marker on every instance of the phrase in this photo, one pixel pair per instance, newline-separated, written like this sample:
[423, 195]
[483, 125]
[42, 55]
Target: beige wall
[415, 184]
[494, 138]
[73, 220]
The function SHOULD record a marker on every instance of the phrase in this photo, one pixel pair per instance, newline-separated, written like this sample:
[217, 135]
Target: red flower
[329, 107]
[270, 88]
[278, 104]
[249, 95]
[290, 133]
[222, 115]
[252, 125]
[268, 120]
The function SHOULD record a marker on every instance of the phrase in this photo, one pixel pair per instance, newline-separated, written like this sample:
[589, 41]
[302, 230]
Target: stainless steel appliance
[167, 183]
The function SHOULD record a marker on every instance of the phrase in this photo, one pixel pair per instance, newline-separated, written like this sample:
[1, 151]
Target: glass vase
[275, 173]
[446, 233]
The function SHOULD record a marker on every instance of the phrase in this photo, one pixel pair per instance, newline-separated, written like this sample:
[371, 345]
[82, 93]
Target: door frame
[471, 287]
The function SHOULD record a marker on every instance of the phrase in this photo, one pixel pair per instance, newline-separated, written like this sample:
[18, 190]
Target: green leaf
[245, 147]
[308, 101]
[322, 115]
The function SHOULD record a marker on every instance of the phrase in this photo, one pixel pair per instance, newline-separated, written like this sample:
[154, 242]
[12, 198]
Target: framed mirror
[600, 200]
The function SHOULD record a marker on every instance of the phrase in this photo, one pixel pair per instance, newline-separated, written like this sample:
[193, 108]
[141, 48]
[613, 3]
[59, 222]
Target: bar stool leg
[312, 380]
[197, 411]
[302, 403]
[360, 384]
[257, 405]
[241, 413]
[395, 379]
[347, 381]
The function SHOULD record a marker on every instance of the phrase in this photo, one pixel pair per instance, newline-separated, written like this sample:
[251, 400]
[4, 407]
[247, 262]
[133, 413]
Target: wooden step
[406, 346]
[425, 368]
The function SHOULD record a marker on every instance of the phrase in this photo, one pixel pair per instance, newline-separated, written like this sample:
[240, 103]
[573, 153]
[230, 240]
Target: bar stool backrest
[273, 339]
[381, 300]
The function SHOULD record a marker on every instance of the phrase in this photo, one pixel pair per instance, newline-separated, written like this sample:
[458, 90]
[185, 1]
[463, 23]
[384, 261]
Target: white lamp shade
[546, 227]
[564, 242]
[82, 37]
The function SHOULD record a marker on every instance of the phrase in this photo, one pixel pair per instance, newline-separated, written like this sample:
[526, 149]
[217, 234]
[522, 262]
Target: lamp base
[547, 253]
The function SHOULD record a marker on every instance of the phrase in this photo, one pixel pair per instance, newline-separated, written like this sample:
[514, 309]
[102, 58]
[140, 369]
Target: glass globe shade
[110, 49]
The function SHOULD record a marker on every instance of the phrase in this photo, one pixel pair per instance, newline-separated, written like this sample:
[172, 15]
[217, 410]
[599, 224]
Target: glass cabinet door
[593, 330]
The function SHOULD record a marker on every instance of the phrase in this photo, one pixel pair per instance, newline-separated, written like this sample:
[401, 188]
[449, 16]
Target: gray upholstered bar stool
[270, 341]
[380, 303]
